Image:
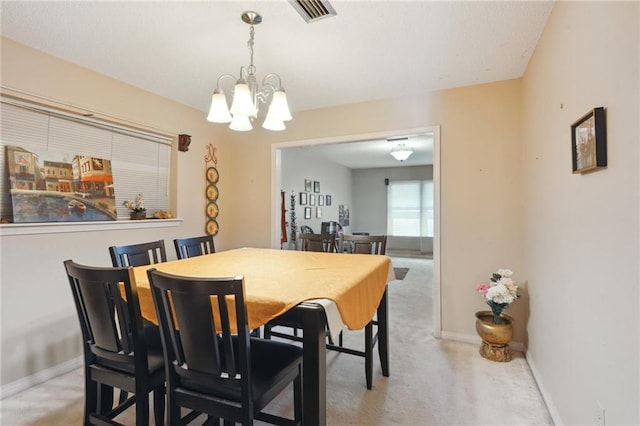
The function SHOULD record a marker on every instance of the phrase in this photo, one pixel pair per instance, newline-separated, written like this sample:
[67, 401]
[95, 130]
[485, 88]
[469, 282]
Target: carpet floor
[432, 382]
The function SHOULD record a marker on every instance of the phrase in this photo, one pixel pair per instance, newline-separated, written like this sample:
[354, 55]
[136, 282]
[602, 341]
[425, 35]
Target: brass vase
[495, 337]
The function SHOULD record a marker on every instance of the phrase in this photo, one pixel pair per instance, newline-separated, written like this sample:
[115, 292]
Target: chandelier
[401, 152]
[248, 95]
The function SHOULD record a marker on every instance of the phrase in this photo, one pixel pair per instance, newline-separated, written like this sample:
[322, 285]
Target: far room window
[410, 208]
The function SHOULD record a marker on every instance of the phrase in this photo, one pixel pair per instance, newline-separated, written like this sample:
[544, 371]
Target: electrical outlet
[599, 415]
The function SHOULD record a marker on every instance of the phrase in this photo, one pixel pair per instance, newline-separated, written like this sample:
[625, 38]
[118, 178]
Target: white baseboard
[40, 377]
[553, 410]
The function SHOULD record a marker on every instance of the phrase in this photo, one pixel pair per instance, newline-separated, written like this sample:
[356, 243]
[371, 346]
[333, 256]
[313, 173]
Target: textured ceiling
[370, 50]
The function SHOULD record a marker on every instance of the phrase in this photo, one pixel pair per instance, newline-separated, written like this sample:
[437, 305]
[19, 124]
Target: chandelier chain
[251, 68]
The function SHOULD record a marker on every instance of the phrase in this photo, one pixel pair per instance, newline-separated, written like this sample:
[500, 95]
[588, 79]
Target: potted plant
[138, 210]
[495, 327]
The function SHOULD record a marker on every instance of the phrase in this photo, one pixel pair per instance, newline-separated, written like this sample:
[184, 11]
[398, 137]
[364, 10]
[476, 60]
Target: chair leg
[267, 331]
[173, 410]
[105, 398]
[142, 408]
[297, 397]
[158, 405]
[368, 351]
[90, 399]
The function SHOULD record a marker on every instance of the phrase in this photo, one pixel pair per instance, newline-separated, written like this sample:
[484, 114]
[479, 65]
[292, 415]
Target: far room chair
[117, 354]
[304, 229]
[195, 246]
[317, 242]
[213, 365]
[138, 254]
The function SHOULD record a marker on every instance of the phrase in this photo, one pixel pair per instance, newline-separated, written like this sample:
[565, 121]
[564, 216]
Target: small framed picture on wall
[307, 212]
[312, 200]
[316, 186]
[321, 200]
[318, 212]
[327, 200]
[307, 185]
[303, 198]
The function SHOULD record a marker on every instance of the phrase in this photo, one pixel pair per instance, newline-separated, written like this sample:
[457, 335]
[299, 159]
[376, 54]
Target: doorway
[276, 185]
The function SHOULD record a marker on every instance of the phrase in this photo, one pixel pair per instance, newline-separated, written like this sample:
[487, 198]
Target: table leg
[383, 334]
[314, 366]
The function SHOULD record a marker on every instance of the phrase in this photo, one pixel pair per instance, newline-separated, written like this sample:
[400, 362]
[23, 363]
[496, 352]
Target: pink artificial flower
[483, 288]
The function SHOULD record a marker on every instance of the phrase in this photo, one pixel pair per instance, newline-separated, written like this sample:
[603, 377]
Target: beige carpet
[433, 382]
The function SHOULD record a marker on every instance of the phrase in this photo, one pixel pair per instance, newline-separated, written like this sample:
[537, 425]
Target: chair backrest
[365, 244]
[138, 254]
[210, 348]
[317, 242]
[112, 329]
[195, 246]
[304, 229]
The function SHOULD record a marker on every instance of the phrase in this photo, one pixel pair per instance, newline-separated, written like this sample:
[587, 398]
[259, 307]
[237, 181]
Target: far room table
[279, 280]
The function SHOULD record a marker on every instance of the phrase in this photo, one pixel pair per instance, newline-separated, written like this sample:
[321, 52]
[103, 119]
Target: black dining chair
[363, 244]
[138, 254]
[359, 244]
[117, 352]
[195, 246]
[212, 364]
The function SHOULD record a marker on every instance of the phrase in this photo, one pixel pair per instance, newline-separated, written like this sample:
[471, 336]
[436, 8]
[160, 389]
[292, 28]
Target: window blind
[140, 161]
[410, 208]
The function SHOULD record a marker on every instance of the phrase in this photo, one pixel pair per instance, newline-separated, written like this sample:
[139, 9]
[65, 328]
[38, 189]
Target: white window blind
[410, 208]
[140, 161]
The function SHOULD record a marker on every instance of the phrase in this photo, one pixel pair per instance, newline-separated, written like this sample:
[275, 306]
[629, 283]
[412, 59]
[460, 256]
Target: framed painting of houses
[55, 187]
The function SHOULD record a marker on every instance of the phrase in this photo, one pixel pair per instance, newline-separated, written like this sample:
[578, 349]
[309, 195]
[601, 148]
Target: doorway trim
[276, 179]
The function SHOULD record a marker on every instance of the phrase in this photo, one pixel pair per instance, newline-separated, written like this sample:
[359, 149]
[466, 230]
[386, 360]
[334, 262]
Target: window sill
[69, 227]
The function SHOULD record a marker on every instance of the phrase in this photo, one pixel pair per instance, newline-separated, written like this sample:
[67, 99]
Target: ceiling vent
[313, 10]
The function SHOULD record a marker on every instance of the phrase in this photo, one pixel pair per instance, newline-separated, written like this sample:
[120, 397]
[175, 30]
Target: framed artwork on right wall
[589, 142]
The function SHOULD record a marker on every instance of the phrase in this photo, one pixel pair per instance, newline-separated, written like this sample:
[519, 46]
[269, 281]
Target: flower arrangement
[499, 293]
[137, 205]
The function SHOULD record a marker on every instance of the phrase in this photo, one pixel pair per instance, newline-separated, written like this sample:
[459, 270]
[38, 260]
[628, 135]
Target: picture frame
[307, 212]
[312, 200]
[307, 185]
[327, 200]
[316, 186]
[321, 200]
[318, 212]
[303, 198]
[589, 142]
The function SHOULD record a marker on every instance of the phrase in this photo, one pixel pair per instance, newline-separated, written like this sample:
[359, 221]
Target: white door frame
[276, 177]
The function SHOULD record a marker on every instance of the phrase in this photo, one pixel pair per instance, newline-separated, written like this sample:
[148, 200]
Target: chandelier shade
[219, 111]
[401, 152]
[248, 95]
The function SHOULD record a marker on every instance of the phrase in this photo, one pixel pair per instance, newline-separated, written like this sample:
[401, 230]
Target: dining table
[342, 290]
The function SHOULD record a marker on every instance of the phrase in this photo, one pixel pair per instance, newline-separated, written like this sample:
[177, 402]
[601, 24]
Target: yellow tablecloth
[277, 280]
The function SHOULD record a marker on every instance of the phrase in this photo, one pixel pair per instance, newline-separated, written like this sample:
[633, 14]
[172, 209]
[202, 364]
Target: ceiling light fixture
[248, 95]
[401, 152]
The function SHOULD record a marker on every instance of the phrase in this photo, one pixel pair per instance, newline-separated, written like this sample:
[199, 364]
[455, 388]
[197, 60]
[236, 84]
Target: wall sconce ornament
[183, 142]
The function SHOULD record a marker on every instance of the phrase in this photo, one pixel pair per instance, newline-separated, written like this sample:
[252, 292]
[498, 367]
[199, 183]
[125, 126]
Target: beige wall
[582, 234]
[480, 151]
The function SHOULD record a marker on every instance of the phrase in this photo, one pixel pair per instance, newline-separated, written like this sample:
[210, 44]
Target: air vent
[313, 10]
